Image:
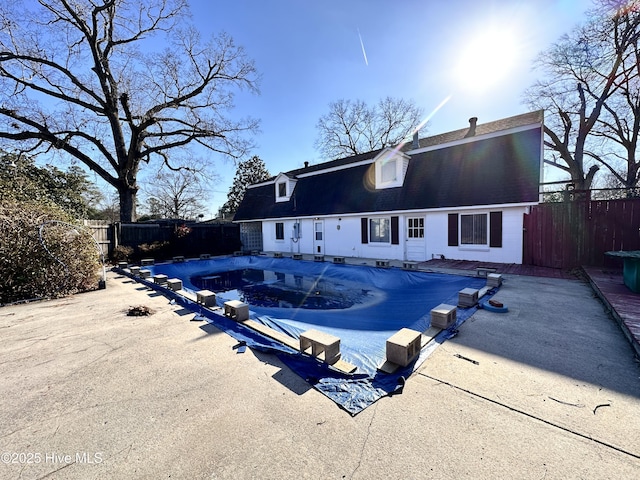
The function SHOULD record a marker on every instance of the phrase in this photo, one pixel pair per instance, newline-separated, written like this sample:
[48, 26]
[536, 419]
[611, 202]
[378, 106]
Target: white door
[415, 240]
[318, 237]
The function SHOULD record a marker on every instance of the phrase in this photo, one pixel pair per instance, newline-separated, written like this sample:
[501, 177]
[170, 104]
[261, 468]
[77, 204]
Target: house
[459, 195]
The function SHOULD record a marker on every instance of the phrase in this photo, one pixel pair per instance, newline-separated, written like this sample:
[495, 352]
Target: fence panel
[164, 240]
[103, 233]
[570, 234]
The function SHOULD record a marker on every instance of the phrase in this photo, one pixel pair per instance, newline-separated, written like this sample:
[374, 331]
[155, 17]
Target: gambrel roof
[494, 167]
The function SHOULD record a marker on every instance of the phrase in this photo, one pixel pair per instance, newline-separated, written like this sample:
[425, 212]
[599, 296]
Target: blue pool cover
[361, 305]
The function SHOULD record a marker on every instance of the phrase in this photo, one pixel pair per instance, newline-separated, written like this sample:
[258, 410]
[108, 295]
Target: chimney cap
[472, 127]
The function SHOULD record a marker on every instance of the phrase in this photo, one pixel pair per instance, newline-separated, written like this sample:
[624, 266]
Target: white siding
[346, 240]
[436, 231]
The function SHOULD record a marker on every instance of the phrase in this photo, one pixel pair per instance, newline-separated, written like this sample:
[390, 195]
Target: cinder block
[236, 310]
[205, 256]
[144, 273]
[321, 345]
[318, 258]
[178, 259]
[174, 284]
[160, 279]
[467, 297]
[382, 263]
[410, 265]
[123, 264]
[403, 346]
[297, 256]
[146, 262]
[443, 316]
[494, 280]
[135, 271]
[206, 298]
[484, 271]
[277, 255]
[338, 259]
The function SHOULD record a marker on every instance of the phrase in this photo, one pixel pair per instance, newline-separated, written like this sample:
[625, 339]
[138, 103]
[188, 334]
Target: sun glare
[486, 59]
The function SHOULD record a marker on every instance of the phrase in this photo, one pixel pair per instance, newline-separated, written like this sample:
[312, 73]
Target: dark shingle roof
[530, 118]
[486, 171]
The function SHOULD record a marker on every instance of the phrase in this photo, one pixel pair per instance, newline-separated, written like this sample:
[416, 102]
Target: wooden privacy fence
[165, 240]
[570, 234]
[102, 231]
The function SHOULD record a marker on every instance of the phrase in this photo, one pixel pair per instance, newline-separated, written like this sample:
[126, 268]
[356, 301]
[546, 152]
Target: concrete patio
[550, 389]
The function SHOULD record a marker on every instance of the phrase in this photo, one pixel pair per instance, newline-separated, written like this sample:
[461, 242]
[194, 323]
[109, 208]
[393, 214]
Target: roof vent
[472, 127]
[306, 164]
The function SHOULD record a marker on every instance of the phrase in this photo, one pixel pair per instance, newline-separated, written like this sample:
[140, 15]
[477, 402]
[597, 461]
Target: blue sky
[310, 54]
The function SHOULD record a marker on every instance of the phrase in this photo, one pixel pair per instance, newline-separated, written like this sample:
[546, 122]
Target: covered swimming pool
[361, 305]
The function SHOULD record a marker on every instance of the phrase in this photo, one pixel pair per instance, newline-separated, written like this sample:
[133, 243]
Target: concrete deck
[88, 392]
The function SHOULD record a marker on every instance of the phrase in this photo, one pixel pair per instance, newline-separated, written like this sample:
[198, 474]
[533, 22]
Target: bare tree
[177, 194]
[590, 94]
[351, 128]
[619, 125]
[114, 83]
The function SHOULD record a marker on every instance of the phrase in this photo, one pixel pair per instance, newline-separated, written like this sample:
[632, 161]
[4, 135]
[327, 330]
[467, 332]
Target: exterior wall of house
[512, 237]
[342, 236]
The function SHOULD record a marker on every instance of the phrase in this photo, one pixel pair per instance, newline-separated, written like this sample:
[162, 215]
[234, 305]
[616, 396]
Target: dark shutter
[395, 234]
[453, 229]
[364, 230]
[495, 229]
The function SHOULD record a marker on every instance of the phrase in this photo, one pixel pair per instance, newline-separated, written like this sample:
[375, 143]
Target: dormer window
[388, 171]
[284, 186]
[390, 168]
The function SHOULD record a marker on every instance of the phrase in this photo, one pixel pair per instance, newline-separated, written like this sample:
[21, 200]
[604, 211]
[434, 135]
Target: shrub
[62, 262]
[154, 249]
[121, 253]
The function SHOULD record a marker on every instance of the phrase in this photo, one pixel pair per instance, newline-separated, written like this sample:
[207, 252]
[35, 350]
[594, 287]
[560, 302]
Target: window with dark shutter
[453, 229]
[495, 229]
[379, 230]
[473, 229]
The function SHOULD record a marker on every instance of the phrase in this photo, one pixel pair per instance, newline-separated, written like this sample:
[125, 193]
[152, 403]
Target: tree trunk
[127, 203]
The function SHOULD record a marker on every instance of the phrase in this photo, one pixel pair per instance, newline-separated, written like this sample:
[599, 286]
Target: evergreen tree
[248, 172]
[71, 190]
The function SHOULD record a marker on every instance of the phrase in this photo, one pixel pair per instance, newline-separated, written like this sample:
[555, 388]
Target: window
[415, 228]
[379, 230]
[318, 229]
[389, 167]
[284, 187]
[279, 231]
[389, 171]
[473, 229]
